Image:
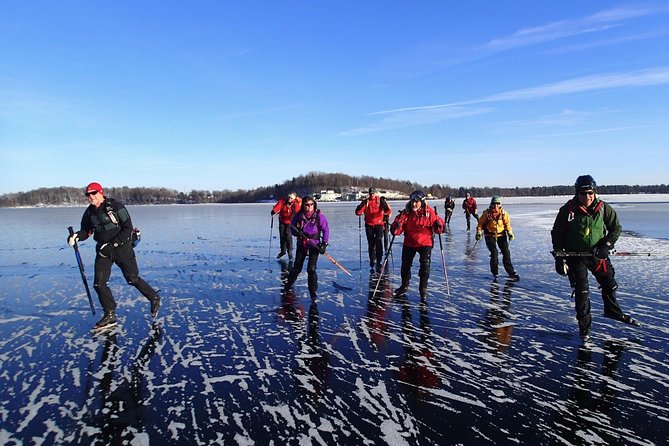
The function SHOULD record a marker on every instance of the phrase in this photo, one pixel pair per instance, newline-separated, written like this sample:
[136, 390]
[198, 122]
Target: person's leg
[503, 243]
[289, 242]
[578, 273]
[425, 255]
[126, 260]
[103, 267]
[408, 255]
[491, 243]
[300, 255]
[282, 239]
[606, 279]
[102, 272]
[378, 244]
[371, 244]
[312, 276]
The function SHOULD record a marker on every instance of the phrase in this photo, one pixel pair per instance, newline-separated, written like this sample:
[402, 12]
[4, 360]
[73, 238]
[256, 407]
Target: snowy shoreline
[612, 198]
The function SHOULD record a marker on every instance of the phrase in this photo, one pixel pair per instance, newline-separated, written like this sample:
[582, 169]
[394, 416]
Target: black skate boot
[155, 305]
[107, 321]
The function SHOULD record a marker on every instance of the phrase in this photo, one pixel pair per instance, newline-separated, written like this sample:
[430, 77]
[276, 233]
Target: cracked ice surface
[233, 360]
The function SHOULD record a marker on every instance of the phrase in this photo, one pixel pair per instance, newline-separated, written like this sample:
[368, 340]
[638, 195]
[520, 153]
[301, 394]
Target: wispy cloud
[414, 117]
[603, 130]
[553, 31]
[607, 42]
[642, 78]
[427, 114]
[564, 118]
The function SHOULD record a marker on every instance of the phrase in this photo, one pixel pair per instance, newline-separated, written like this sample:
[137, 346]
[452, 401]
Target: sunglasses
[587, 192]
[93, 192]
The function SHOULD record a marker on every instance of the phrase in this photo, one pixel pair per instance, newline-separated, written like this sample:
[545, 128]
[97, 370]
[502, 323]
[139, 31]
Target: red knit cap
[95, 186]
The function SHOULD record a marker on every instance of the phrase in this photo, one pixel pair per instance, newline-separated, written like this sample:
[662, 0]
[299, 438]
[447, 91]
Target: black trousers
[578, 275]
[286, 239]
[468, 216]
[374, 243]
[300, 255]
[124, 258]
[492, 243]
[408, 254]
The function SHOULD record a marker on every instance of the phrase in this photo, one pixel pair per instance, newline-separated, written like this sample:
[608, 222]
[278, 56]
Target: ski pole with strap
[360, 238]
[336, 263]
[469, 257]
[640, 254]
[443, 260]
[81, 270]
[572, 254]
[269, 251]
[383, 266]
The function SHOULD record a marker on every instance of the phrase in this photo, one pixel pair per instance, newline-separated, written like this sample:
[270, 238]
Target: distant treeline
[311, 183]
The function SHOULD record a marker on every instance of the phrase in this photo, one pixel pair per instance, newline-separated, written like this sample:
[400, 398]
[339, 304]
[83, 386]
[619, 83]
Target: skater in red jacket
[419, 222]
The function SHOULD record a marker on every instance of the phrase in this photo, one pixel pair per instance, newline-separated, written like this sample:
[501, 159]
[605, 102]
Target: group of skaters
[583, 235]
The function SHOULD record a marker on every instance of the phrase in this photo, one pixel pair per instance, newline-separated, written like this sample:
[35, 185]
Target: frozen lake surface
[232, 360]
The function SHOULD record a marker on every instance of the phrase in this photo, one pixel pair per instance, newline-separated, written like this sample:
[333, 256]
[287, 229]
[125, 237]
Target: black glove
[560, 263]
[561, 266]
[272, 212]
[321, 247]
[602, 250]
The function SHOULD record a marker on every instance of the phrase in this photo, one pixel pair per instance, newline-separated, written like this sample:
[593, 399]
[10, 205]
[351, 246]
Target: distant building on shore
[358, 194]
[327, 195]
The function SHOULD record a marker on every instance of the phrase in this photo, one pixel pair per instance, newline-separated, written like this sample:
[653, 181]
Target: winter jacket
[310, 229]
[493, 224]
[449, 205]
[418, 227]
[578, 228]
[108, 223]
[469, 205]
[287, 210]
[374, 211]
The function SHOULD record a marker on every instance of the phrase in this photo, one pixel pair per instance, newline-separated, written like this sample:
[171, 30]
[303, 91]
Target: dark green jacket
[577, 228]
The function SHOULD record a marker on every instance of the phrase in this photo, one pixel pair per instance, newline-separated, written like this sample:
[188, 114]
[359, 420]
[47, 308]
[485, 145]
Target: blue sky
[226, 95]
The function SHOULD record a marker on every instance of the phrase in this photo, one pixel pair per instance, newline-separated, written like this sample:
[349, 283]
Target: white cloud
[601, 21]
